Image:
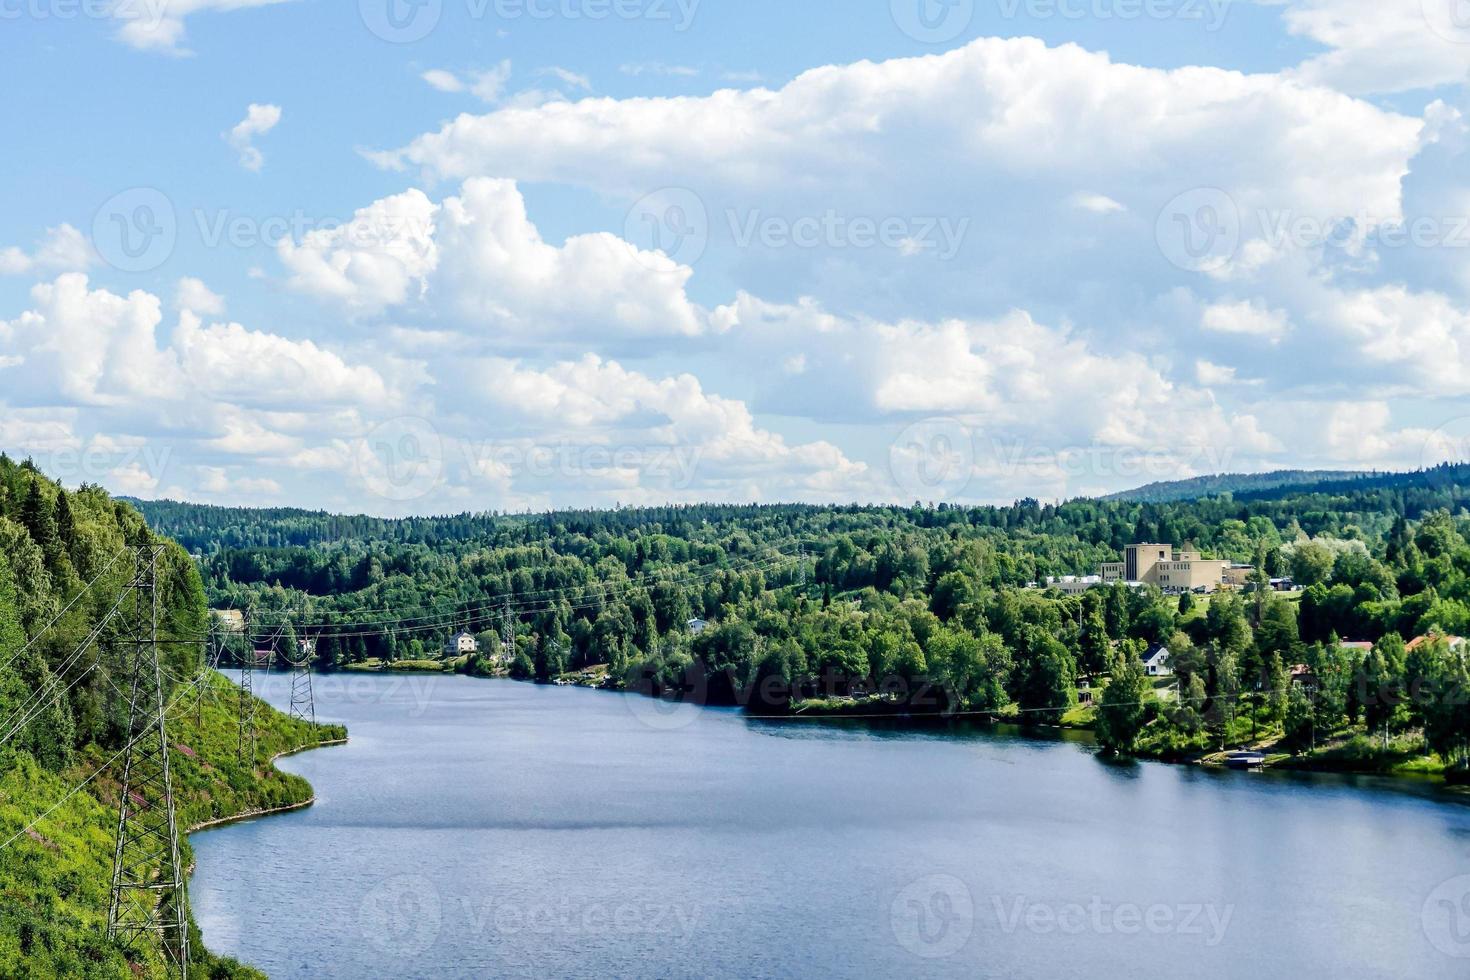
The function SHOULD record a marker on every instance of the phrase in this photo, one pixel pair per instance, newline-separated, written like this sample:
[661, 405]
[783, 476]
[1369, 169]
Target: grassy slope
[54, 883]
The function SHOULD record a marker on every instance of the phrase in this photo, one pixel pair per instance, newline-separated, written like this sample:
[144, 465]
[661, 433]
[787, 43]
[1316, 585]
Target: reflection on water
[476, 828]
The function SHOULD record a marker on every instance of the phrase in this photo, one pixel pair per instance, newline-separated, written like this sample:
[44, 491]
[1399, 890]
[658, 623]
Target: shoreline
[270, 811]
[919, 721]
[916, 721]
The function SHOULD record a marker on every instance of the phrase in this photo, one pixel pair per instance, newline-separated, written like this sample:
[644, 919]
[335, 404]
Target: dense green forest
[64, 561]
[919, 609]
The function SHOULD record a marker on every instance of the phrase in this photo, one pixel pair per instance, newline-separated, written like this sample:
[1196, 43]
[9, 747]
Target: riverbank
[56, 878]
[287, 808]
[1347, 753]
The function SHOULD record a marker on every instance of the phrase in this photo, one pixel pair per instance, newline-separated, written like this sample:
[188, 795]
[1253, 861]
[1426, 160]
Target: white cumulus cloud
[259, 120]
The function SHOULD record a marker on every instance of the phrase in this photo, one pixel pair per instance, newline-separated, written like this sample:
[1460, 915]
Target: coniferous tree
[39, 518]
[1124, 707]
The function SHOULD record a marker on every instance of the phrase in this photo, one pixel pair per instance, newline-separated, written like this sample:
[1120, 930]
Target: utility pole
[303, 703]
[150, 899]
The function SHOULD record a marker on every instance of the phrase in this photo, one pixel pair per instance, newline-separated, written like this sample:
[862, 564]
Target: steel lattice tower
[210, 662]
[254, 657]
[508, 636]
[150, 900]
[303, 703]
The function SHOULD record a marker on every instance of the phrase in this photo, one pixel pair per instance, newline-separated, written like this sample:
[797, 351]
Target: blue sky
[647, 250]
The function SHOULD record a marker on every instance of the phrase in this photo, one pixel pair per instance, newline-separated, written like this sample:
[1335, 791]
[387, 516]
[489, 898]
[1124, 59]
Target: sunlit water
[487, 828]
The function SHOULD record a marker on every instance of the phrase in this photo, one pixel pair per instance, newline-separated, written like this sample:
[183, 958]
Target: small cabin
[697, 626]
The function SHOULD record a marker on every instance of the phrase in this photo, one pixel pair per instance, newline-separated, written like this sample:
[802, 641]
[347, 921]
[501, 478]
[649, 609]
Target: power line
[93, 775]
[64, 610]
[37, 702]
[588, 599]
[530, 601]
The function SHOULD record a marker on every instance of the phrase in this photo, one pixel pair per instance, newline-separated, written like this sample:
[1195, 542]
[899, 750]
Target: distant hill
[1235, 483]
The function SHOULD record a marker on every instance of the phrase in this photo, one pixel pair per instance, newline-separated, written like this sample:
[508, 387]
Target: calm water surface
[485, 828]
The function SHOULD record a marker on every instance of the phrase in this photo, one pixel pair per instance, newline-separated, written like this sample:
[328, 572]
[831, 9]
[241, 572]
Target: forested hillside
[64, 560]
[1232, 483]
[908, 609]
[53, 545]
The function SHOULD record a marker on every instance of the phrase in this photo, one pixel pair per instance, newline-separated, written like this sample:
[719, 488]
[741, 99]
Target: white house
[460, 644]
[1156, 661]
[697, 626]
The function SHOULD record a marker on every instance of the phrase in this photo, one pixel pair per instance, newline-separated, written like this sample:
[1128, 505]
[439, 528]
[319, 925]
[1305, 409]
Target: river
[479, 828]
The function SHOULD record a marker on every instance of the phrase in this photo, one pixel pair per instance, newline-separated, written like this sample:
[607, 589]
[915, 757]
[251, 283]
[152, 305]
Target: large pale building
[1170, 570]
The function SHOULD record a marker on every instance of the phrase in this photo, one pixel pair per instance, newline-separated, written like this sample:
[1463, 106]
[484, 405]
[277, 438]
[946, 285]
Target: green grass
[54, 882]
[1082, 715]
[406, 666]
[419, 666]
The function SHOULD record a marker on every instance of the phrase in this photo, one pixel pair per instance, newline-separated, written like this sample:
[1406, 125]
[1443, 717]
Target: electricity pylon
[303, 703]
[508, 636]
[254, 657]
[207, 665]
[150, 900]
